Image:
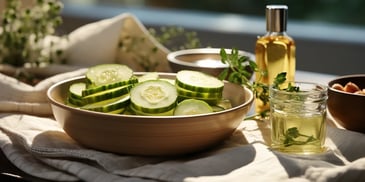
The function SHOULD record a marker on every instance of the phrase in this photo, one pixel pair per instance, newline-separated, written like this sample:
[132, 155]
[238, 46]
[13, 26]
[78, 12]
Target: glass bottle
[275, 51]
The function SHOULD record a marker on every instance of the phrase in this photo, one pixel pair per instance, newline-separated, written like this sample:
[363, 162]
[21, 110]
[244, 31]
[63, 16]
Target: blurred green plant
[24, 29]
[172, 37]
[176, 38]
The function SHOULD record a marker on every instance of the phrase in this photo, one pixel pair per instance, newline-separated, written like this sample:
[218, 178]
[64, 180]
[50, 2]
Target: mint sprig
[240, 71]
[292, 133]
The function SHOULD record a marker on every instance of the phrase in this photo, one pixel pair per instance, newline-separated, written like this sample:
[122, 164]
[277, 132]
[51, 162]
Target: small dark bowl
[347, 109]
[207, 60]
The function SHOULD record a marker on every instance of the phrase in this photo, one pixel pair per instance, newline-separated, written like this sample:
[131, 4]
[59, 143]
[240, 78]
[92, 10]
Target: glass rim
[321, 88]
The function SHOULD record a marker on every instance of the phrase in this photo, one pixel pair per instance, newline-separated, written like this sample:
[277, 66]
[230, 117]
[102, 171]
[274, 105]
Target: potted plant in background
[26, 37]
[172, 37]
[28, 43]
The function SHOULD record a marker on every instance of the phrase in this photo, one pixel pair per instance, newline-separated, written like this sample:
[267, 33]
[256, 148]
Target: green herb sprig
[240, 71]
[292, 133]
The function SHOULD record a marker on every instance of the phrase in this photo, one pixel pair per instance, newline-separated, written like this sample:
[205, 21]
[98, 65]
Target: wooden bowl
[347, 109]
[149, 135]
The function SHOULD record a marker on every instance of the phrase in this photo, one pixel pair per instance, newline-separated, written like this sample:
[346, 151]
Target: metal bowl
[149, 135]
[207, 60]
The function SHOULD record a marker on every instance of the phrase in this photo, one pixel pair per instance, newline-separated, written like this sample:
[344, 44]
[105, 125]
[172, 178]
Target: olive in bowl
[346, 103]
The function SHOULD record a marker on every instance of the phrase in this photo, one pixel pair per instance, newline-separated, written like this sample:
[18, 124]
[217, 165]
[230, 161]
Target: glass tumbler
[298, 118]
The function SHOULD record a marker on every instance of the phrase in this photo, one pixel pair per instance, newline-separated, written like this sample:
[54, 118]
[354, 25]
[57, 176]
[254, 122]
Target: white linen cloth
[38, 146]
[34, 142]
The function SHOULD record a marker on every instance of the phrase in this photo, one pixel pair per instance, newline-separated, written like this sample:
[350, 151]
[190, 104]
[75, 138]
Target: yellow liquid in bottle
[274, 54]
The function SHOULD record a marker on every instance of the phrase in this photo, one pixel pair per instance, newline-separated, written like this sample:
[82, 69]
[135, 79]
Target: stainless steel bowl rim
[172, 56]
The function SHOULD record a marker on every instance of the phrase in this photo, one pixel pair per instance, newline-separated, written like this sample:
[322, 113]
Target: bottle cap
[276, 17]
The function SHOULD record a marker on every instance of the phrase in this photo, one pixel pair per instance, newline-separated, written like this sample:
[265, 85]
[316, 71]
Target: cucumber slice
[224, 103]
[148, 76]
[74, 102]
[200, 95]
[107, 74]
[192, 107]
[209, 101]
[128, 110]
[172, 81]
[153, 96]
[217, 108]
[75, 98]
[141, 113]
[107, 94]
[198, 81]
[94, 89]
[109, 105]
[118, 111]
[76, 89]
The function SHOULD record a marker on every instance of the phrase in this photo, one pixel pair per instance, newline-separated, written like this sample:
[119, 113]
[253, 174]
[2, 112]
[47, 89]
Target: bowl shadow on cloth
[232, 153]
[60, 140]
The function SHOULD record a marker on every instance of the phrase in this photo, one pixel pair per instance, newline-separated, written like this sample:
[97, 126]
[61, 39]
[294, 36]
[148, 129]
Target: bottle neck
[272, 33]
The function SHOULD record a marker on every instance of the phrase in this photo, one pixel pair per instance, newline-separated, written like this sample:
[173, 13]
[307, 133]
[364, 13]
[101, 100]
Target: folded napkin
[121, 39]
[89, 45]
[35, 143]
[17, 96]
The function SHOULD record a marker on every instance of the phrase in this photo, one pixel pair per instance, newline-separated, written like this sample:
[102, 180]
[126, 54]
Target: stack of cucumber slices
[106, 89]
[198, 85]
[113, 88]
